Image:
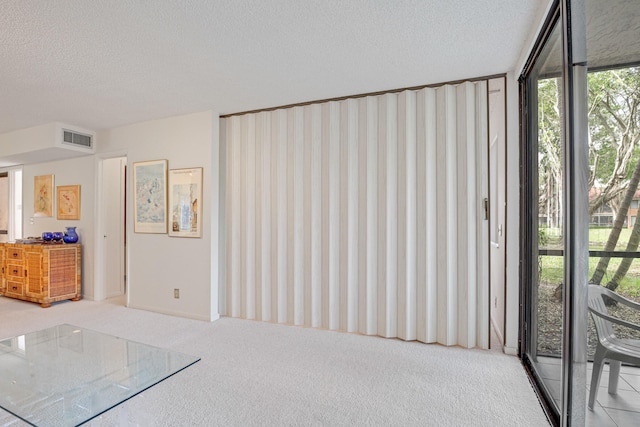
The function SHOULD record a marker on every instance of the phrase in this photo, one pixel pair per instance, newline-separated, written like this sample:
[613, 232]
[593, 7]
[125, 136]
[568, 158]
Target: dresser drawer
[14, 270]
[14, 288]
[14, 253]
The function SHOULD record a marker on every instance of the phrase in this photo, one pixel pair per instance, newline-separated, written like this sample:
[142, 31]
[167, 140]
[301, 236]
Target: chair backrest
[597, 306]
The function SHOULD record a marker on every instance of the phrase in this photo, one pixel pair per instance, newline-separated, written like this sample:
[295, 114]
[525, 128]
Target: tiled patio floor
[621, 410]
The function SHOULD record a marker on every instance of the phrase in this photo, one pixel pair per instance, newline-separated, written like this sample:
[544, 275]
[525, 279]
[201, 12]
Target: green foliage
[614, 151]
[552, 272]
[543, 237]
[613, 99]
[551, 268]
[549, 133]
[614, 128]
[598, 237]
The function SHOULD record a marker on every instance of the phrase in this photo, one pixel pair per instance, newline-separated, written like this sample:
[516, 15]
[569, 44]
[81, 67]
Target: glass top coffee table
[66, 375]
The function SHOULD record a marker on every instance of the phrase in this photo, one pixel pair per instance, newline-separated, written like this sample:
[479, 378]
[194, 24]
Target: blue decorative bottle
[70, 236]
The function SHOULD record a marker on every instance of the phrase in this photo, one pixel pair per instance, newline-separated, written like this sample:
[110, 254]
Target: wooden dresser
[41, 272]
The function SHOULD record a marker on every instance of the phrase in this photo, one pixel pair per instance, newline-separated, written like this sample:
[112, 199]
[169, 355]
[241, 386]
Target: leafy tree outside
[614, 156]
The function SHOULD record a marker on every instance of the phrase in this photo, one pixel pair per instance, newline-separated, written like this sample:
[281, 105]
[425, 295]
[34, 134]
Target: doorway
[10, 204]
[112, 281]
[4, 206]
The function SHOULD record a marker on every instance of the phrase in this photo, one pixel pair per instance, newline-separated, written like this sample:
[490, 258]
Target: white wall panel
[299, 175]
[280, 129]
[333, 130]
[258, 215]
[249, 224]
[265, 194]
[388, 296]
[427, 223]
[350, 142]
[407, 216]
[362, 215]
[370, 303]
[233, 223]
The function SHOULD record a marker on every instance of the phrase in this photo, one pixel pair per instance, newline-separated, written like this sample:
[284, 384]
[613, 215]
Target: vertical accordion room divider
[363, 215]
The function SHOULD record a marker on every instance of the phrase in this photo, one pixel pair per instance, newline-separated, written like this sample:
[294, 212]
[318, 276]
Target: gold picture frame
[68, 201]
[185, 202]
[43, 196]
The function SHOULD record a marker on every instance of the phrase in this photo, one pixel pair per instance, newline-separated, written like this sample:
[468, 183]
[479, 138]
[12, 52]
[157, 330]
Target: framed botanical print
[43, 195]
[68, 201]
[185, 202]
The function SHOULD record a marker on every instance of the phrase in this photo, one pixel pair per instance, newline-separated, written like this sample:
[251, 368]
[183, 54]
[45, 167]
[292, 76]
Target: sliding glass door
[555, 215]
[544, 206]
[580, 158]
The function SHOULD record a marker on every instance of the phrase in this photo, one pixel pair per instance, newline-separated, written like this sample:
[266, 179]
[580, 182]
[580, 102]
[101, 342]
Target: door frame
[15, 213]
[499, 172]
[100, 290]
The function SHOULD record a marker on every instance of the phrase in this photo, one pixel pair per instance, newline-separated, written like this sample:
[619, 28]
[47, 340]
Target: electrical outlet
[176, 293]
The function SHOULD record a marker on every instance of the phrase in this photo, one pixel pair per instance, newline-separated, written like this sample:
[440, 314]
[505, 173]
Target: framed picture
[68, 200]
[43, 195]
[150, 196]
[185, 202]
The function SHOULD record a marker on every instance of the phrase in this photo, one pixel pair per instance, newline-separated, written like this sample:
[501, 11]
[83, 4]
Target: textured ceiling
[103, 64]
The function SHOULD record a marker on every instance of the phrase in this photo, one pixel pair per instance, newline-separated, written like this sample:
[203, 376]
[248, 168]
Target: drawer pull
[15, 271]
[15, 254]
[15, 288]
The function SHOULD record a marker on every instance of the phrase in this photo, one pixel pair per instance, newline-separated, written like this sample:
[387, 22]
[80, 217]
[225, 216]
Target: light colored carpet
[260, 374]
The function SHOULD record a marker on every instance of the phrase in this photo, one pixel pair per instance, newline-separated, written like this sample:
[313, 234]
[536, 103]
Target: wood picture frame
[43, 196]
[150, 196]
[185, 202]
[68, 201]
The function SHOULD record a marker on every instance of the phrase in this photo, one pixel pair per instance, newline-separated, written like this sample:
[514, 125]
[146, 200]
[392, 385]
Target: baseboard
[175, 313]
[511, 351]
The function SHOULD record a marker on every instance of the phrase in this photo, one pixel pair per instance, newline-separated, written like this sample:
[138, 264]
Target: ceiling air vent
[77, 139]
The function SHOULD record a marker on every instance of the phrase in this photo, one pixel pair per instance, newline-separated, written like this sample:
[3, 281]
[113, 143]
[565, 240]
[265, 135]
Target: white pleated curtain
[362, 215]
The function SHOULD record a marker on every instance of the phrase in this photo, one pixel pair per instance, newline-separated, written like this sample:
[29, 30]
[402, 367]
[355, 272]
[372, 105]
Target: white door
[113, 214]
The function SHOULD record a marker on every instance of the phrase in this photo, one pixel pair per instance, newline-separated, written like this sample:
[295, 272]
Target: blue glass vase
[47, 236]
[70, 236]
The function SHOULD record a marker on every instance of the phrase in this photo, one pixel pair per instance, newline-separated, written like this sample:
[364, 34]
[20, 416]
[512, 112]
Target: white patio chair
[610, 347]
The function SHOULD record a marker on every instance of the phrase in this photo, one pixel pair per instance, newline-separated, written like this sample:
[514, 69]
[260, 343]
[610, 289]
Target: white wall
[29, 139]
[157, 263]
[39, 144]
[66, 172]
